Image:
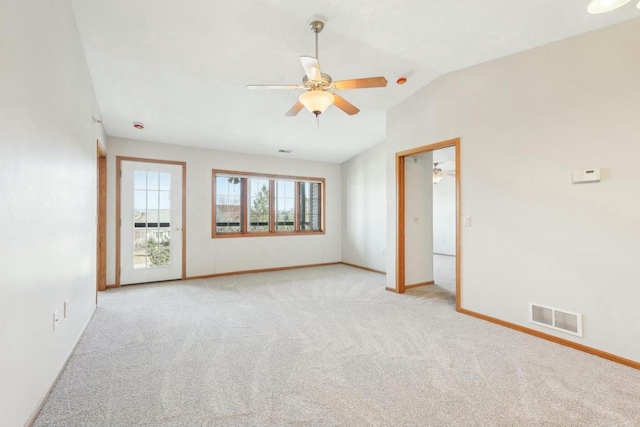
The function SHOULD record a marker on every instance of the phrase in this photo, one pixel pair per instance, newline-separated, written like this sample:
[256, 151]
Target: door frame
[119, 160]
[101, 232]
[400, 191]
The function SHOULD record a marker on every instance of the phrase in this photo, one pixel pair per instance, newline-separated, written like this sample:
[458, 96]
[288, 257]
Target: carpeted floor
[444, 272]
[322, 347]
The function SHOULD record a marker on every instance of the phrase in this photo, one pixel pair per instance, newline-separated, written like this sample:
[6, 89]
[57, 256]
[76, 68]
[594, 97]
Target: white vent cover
[560, 320]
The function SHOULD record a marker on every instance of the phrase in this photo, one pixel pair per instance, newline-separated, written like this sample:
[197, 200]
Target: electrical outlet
[55, 319]
[467, 221]
[382, 251]
[368, 248]
[264, 251]
[66, 309]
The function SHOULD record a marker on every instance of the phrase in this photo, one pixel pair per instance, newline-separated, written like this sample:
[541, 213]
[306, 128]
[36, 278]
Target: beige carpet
[322, 347]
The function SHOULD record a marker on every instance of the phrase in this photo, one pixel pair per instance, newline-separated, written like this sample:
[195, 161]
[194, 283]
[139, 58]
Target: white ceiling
[181, 67]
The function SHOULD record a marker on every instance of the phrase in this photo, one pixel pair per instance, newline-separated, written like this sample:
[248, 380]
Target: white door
[151, 229]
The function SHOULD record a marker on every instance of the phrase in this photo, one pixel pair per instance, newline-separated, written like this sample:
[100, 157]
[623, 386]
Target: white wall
[536, 237]
[418, 218]
[364, 201]
[444, 216]
[211, 256]
[47, 198]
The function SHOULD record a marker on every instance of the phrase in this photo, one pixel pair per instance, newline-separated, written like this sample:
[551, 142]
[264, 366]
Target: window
[258, 204]
[247, 204]
[228, 206]
[309, 205]
[285, 206]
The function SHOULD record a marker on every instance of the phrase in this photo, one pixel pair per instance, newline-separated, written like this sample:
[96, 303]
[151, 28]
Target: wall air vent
[560, 320]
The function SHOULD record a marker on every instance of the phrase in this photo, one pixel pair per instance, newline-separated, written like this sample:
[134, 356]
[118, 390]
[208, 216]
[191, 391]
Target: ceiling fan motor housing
[323, 84]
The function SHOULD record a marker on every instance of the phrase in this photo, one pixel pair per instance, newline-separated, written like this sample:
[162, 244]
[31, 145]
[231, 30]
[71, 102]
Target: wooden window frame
[244, 205]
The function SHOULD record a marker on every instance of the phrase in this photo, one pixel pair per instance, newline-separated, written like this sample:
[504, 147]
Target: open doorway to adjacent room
[444, 219]
[428, 234]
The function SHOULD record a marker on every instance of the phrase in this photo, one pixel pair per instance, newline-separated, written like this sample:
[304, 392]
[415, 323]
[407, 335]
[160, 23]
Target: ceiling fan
[316, 85]
[438, 173]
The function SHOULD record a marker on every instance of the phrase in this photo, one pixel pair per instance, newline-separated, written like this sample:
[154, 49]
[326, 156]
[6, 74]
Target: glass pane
[139, 219]
[228, 207]
[139, 249]
[165, 181]
[285, 206]
[258, 204]
[139, 180]
[140, 200]
[310, 208]
[165, 218]
[152, 181]
[159, 248]
[164, 200]
[289, 204]
[152, 199]
[152, 218]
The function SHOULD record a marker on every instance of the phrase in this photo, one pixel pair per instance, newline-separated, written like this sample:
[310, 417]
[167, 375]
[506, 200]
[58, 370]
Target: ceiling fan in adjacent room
[316, 85]
[439, 173]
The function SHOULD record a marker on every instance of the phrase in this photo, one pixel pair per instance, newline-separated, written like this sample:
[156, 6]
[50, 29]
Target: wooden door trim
[119, 160]
[400, 240]
[101, 237]
[400, 252]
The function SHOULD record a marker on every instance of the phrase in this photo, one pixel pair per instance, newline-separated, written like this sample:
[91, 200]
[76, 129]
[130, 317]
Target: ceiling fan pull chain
[318, 121]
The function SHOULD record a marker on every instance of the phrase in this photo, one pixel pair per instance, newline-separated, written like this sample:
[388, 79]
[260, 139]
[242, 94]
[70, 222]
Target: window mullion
[321, 208]
[272, 206]
[214, 205]
[296, 206]
[244, 202]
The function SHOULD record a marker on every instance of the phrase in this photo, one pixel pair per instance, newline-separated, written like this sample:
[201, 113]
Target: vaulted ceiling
[181, 67]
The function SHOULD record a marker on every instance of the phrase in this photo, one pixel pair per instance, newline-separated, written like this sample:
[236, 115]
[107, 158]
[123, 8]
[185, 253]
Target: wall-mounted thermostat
[587, 175]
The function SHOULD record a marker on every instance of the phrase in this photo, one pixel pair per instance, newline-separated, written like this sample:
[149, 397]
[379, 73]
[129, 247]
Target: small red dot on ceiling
[138, 125]
[401, 80]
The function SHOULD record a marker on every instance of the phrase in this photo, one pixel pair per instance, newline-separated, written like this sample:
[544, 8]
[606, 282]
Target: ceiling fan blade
[275, 87]
[295, 109]
[344, 105]
[443, 162]
[311, 67]
[360, 83]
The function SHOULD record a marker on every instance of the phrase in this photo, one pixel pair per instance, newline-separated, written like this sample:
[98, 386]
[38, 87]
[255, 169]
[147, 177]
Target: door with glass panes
[151, 229]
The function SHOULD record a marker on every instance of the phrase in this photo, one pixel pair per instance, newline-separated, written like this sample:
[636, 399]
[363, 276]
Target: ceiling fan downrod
[316, 27]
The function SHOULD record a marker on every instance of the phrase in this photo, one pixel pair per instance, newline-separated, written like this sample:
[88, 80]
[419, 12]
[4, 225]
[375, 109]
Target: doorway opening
[424, 254]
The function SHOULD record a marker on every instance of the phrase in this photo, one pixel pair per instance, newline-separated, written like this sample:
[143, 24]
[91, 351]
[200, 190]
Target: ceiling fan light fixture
[602, 6]
[316, 101]
[437, 178]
